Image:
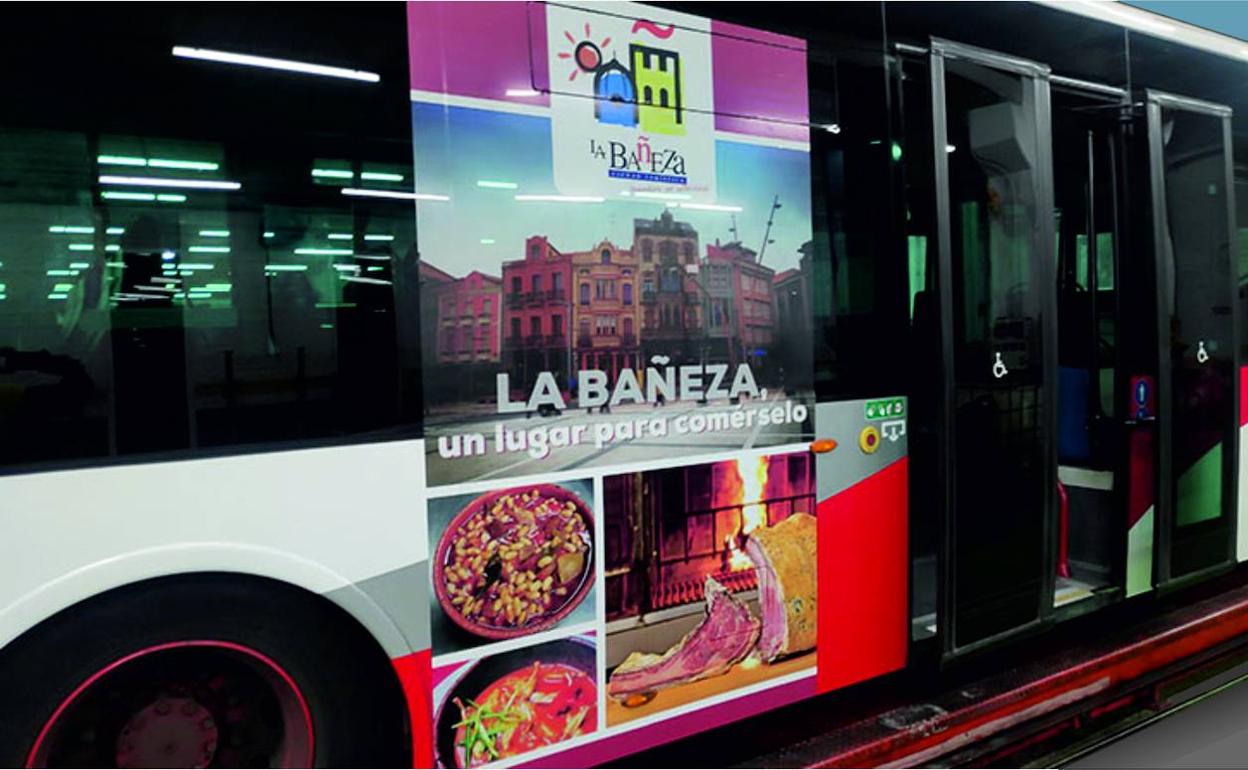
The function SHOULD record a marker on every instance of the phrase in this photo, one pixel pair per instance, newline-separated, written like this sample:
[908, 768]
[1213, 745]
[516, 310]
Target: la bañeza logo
[622, 121]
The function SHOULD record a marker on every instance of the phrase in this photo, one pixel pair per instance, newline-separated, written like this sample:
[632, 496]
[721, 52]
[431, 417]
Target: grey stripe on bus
[847, 465]
[403, 595]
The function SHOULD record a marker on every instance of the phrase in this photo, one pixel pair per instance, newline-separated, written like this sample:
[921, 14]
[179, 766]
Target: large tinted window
[187, 259]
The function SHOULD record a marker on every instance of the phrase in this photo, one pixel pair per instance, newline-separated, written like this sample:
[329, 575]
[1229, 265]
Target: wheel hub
[168, 732]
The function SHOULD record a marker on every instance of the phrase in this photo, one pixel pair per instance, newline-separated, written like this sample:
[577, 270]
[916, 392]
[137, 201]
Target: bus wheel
[188, 675]
[181, 704]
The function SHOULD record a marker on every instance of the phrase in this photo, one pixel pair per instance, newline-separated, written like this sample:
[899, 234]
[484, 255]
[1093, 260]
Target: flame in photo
[752, 473]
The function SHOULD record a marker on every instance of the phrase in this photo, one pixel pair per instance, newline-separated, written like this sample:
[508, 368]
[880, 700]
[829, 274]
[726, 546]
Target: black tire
[355, 704]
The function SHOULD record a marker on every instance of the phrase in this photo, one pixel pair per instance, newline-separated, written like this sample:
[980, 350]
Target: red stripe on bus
[863, 579]
[1243, 396]
[1140, 484]
[416, 676]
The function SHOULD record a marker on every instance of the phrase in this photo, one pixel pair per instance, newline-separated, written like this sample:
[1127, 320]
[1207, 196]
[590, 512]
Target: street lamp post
[692, 271]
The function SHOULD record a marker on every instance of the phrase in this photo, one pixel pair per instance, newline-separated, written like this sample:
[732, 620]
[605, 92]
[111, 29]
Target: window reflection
[172, 280]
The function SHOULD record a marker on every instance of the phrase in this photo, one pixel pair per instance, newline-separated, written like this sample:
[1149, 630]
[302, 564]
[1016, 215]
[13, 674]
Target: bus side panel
[863, 541]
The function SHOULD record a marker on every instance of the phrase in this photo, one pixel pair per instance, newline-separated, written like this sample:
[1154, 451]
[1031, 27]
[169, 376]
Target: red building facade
[537, 313]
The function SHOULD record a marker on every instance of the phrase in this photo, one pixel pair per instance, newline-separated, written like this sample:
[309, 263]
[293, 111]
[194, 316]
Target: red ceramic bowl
[441, 557]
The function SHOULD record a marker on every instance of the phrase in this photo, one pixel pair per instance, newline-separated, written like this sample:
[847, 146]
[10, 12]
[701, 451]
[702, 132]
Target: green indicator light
[332, 173]
[379, 176]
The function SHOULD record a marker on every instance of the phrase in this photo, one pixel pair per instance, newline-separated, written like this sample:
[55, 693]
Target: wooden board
[741, 675]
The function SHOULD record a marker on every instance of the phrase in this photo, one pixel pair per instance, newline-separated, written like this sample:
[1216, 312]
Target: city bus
[452, 384]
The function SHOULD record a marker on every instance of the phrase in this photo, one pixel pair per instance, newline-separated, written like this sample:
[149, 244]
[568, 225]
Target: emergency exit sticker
[885, 407]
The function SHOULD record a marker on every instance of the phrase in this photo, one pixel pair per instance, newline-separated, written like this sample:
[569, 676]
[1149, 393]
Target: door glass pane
[1000, 472]
[1195, 260]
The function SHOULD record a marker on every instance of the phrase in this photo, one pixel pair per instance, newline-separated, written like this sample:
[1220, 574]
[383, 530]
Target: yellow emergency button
[869, 439]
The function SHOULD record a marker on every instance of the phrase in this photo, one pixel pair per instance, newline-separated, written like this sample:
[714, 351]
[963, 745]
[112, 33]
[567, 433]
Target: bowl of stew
[514, 702]
[515, 561]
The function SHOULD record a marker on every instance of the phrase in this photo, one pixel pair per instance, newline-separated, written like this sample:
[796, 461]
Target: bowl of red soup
[509, 704]
[515, 561]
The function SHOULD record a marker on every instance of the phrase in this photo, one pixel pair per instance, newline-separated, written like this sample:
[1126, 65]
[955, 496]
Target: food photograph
[511, 703]
[511, 563]
[731, 599]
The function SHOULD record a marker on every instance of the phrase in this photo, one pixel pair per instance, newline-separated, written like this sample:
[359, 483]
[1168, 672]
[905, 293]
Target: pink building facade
[468, 320]
[607, 317]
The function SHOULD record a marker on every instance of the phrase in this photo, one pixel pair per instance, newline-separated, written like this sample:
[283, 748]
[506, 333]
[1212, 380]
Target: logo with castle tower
[645, 93]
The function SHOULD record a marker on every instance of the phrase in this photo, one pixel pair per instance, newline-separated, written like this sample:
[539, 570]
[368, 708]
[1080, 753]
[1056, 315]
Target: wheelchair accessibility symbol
[1202, 355]
[998, 367]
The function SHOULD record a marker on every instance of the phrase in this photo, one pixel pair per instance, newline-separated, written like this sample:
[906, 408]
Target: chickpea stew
[517, 562]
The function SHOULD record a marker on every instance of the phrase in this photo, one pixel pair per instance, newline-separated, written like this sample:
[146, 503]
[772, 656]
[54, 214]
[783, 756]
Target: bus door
[1105, 473]
[1193, 213]
[994, 211]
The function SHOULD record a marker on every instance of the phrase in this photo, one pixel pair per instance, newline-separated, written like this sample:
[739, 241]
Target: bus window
[185, 266]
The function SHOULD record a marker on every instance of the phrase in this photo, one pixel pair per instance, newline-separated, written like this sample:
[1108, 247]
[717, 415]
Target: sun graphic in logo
[586, 54]
[614, 90]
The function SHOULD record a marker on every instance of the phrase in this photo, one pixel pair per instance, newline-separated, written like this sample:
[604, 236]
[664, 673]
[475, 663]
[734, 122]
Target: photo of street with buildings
[623, 284]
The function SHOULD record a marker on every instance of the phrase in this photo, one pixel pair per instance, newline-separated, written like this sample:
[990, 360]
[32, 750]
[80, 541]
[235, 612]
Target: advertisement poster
[613, 216]
[607, 259]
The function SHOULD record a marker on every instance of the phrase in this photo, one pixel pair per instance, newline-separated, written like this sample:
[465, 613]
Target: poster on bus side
[613, 208]
[614, 224]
